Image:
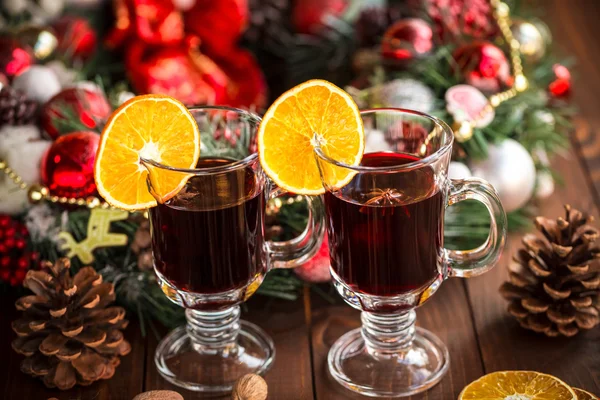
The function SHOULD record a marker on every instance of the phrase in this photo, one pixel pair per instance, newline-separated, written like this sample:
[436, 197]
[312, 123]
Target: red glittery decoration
[407, 39]
[90, 108]
[75, 37]
[484, 66]
[14, 57]
[15, 259]
[67, 168]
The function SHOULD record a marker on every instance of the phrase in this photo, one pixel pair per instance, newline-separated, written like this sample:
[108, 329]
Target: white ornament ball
[38, 82]
[544, 186]
[375, 141]
[15, 7]
[510, 169]
[458, 170]
[22, 149]
[124, 96]
[66, 76]
[51, 8]
[404, 93]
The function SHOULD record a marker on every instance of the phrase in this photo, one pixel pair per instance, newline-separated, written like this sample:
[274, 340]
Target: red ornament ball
[309, 16]
[14, 56]
[67, 168]
[89, 106]
[15, 260]
[484, 66]
[406, 40]
[75, 37]
[560, 87]
[218, 24]
[316, 270]
[246, 83]
[178, 71]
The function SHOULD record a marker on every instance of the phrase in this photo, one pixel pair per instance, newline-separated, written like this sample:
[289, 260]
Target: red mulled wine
[210, 237]
[386, 229]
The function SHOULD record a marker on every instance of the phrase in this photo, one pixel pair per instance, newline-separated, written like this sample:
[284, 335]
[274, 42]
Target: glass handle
[468, 263]
[294, 252]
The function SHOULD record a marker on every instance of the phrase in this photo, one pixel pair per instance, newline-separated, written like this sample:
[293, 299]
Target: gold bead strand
[37, 193]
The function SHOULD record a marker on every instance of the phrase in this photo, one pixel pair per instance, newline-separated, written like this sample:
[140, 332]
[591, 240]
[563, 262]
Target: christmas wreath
[484, 66]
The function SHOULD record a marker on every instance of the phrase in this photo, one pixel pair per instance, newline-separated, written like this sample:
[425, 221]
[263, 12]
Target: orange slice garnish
[285, 136]
[517, 385]
[583, 395]
[154, 127]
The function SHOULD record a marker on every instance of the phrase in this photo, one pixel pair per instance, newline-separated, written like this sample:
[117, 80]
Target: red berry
[20, 275]
[4, 221]
[4, 274]
[20, 244]
[10, 232]
[35, 256]
[3, 248]
[14, 281]
[10, 243]
[23, 231]
[5, 262]
[23, 263]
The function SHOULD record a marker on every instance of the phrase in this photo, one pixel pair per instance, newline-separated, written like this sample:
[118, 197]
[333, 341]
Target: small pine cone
[15, 108]
[269, 20]
[67, 332]
[554, 282]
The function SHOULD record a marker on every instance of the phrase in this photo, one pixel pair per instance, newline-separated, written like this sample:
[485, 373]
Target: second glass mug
[210, 253]
[386, 235]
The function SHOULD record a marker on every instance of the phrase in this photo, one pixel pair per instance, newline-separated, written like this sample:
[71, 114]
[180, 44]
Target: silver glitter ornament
[510, 169]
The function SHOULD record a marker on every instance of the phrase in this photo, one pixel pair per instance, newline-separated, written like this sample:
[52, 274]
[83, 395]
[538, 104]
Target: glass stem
[388, 334]
[214, 332]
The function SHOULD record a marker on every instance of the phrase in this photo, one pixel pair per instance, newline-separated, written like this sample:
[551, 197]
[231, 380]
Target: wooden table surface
[468, 315]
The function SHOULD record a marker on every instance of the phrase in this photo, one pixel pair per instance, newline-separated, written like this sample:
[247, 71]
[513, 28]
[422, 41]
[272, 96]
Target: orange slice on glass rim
[583, 395]
[154, 127]
[517, 385]
[287, 131]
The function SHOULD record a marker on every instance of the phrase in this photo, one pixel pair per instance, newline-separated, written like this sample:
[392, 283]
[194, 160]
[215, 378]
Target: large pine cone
[554, 283]
[67, 333]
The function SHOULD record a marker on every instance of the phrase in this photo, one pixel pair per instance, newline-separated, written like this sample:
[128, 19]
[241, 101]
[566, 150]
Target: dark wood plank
[504, 344]
[446, 314]
[290, 377]
[575, 28]
[127, 382]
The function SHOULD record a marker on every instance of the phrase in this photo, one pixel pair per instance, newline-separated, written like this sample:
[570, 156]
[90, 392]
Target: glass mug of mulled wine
[386, 237]
[210, 254]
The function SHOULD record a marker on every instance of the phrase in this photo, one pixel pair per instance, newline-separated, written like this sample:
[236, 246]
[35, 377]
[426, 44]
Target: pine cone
[554, 282]
[67, 333]
[141, 246]
[15, 108]
[269, 20]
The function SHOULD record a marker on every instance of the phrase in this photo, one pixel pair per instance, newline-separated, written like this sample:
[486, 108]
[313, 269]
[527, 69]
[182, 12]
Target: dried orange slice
[285, 136]
[583, 395]
[517, 385]
[155, 127]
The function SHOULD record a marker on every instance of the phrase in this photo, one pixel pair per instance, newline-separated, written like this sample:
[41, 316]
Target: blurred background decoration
[486, 68]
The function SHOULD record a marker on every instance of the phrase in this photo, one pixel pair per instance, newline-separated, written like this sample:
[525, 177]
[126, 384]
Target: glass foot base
[399, 374]
[178, 361]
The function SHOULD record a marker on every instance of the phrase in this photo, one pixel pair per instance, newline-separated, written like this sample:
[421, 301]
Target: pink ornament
[484, 66]
[316, 270]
